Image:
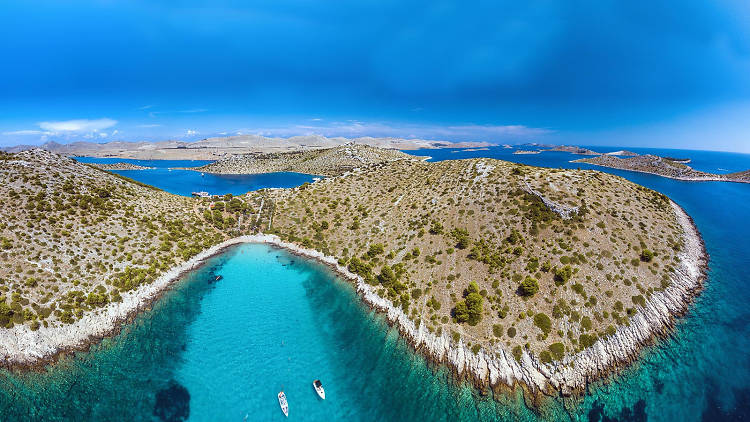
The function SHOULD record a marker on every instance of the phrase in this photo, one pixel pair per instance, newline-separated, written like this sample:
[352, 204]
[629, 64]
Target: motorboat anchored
[319, 389]
[284, 405]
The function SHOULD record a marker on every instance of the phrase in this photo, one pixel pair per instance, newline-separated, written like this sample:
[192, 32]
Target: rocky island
[573, 150]
[666, 167]
[121, 166]
[325, 162]
[511, 275]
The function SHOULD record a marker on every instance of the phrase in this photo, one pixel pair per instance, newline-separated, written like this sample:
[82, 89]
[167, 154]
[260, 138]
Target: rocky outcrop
[563, 211]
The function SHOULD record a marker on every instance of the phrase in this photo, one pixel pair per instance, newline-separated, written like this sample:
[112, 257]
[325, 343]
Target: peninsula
[662, 166]
[510, 274]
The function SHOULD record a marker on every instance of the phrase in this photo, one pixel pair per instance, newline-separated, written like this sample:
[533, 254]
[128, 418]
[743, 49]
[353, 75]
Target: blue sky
[630, 73]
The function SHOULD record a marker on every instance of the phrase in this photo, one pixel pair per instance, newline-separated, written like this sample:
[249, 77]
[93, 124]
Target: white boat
[283, 403]
[319, 389]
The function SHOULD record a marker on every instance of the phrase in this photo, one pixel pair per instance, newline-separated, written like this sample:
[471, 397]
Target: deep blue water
[222, 351]
[184, 182]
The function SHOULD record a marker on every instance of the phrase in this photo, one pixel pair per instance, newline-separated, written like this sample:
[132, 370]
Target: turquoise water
[222, 351]
[184, 182]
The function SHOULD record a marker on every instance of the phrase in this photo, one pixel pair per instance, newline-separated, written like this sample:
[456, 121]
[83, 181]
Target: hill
[534, 260]
[508, 273]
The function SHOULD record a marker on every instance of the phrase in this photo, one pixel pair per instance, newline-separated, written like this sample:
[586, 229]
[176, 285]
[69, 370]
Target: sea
[165, 176]
[222, 350]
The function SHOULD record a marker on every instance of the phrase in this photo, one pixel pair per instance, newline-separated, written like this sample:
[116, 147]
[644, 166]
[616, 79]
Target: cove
[701, 372]
[184, 182]
[222, 350]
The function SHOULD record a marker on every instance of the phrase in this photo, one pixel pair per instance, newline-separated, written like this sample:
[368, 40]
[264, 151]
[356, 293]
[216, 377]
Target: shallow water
[185, 182]
[222, 351]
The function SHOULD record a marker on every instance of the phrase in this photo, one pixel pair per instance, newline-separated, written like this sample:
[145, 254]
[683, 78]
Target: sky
[623, 73]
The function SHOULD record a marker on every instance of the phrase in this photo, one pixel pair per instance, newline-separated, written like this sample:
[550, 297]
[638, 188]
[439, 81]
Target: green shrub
[586, 323]
[557, 350]
[647, 255]
[375, 250]
[529, 287]
[586, 340]
[545, 357]
[562, 275]
[461, 236]
[517, 353]
[475, 349]
[542, 321]
[497, 330]
[511, 332]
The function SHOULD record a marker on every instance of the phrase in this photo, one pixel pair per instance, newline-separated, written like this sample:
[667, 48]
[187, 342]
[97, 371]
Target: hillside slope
[74, 238]
[541, 259]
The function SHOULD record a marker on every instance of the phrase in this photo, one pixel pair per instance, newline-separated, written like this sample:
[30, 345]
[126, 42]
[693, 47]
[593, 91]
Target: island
[216, 148]
[122, 166]
[512, 275]
[665, 167]
[573, 150]
[324, 162]
[524, 151]
[622, 153]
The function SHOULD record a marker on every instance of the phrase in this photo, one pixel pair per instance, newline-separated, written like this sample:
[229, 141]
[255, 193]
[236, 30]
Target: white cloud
[27, 132]
[79, 125]
[355, 128]
[191, 132]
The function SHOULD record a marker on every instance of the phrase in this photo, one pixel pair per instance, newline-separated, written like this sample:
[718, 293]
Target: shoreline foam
[497, 368]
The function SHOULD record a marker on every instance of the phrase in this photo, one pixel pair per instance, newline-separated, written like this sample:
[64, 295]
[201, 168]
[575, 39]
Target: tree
[461, 312]
[562, 275]
[529, 286]
[436, 227]
[461, 236]
[647, 255]
[474, 305]
[375, 250]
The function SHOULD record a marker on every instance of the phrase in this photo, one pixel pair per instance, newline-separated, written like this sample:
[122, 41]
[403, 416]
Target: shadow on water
[126, 377]
[172, 403]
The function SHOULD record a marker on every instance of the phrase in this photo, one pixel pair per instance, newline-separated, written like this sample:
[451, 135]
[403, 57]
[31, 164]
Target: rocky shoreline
[497, 368]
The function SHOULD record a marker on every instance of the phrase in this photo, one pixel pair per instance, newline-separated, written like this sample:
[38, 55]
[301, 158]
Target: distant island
[224, 147]
[509, 274]
[325, 162]
[523, 151]
[121, 166]
[573, 150]
[622, 153]
[666, 167]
